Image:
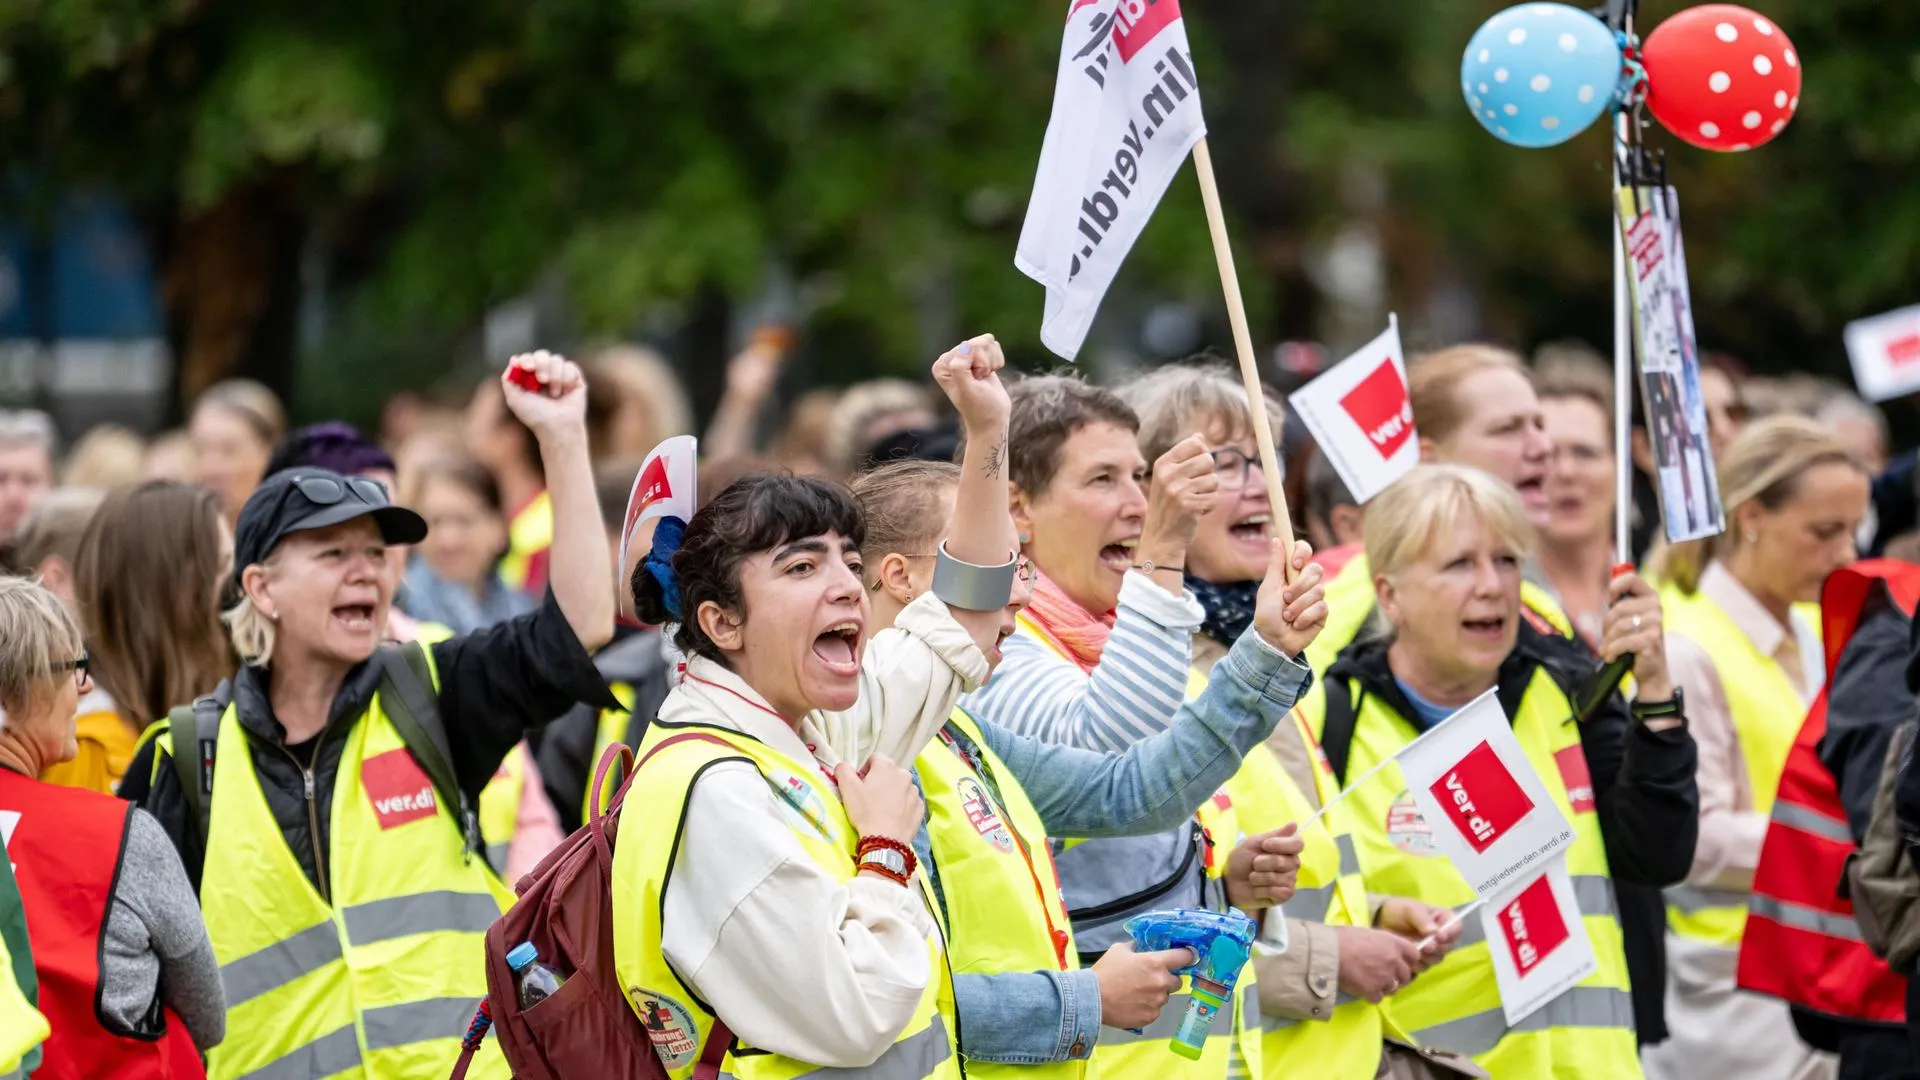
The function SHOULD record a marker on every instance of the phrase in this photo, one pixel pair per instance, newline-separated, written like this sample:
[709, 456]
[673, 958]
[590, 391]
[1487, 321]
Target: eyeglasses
[325, 490]
[1231, 468]
[1022, 569]
[78, 666]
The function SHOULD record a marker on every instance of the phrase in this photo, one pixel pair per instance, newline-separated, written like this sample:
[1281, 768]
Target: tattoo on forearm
[992, 465]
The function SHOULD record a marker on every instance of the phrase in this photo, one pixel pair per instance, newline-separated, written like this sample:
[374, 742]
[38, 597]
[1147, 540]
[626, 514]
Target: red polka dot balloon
[1721, 77]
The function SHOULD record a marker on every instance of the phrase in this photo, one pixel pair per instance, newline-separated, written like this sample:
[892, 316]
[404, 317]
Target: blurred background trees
[350, 197]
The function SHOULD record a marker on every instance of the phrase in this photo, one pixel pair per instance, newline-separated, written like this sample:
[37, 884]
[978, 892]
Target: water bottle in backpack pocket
[533, 981]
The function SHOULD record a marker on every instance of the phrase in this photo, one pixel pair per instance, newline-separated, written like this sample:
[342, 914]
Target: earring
[1752, 537]
[273, 616]
[1026, 538]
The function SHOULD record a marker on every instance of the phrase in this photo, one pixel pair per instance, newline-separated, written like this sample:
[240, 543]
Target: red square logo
[1574, 774]
[1533, 925]
[1138, 22]
[1902, 351]
[398, 788]
[1481, 797]
[1379, 404]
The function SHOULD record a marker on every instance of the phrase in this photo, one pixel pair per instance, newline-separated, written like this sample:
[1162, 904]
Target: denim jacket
[1026, 1018]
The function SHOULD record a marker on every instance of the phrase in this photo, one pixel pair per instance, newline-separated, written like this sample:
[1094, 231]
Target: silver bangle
[969, 587]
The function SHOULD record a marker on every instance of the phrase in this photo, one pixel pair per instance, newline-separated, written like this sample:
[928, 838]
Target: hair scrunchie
[659, 561]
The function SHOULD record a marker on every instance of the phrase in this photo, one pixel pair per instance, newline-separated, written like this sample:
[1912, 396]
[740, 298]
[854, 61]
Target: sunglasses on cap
[326, 491]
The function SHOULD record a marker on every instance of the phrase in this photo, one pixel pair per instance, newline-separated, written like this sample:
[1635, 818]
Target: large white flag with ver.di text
[1126, 112]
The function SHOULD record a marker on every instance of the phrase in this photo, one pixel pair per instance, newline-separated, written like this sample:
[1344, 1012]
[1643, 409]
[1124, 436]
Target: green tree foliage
[442, 157]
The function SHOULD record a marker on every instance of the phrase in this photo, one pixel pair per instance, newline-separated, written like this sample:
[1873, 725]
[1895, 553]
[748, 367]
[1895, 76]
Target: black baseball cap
[298, 499]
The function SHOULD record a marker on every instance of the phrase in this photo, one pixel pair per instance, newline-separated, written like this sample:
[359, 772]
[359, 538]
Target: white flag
[1885, 351]
[1361, 416]
[1538, 940]
[1485, 804]
[1126, 112]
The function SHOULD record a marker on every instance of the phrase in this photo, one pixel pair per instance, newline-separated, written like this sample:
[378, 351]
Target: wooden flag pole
[1622, 364]
[1243, 348]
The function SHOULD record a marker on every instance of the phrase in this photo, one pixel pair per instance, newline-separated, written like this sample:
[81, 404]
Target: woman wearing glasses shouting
[124, 972]
[323, 798]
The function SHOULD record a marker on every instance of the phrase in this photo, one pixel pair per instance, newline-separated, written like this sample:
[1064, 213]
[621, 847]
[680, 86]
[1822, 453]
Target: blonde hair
[1406, 522]
[1764, 463]
[253, 403]
[900, 502]
[249, 628]
[42, 641]
[1178, 400]
[52, 528]
[1433, 385]
[106, 457]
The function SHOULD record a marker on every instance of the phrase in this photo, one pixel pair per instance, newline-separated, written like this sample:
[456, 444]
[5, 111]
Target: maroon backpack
[586, 1029]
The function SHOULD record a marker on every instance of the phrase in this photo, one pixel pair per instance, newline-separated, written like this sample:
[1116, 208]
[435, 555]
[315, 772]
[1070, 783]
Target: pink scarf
[1082, 636]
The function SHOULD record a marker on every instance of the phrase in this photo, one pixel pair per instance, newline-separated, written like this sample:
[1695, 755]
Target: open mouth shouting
[1118, 556]
[1252, 529]
[1532, 486]
[356, 619]
[1489, 628]
[838, 648]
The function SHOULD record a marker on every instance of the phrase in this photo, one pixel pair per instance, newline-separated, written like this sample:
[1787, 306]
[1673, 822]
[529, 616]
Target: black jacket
[1643, 790]
[495, 684]
[564, 749]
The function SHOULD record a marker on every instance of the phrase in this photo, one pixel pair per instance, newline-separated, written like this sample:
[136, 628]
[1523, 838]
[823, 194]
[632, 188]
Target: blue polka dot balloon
[1538, 74]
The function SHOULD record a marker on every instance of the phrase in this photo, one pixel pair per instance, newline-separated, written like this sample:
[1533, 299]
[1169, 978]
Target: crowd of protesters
[287, 713]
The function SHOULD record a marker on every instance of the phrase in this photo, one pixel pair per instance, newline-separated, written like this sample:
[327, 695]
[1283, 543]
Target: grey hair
[42, 641]
[29, 427]
[1179, 400]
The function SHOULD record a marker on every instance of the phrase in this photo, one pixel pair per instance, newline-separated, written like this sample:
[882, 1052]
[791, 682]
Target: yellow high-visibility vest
[677, 1019]
[21, 1026]
[1233, 1048]
[1767, 714]
[1331, 890]
[1584, 1034]
[998, 895]
[377, 981]
[529, 533]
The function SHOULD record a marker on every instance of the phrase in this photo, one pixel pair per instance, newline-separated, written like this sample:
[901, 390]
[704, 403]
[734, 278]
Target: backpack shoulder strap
[1336, 737]
[406, 684]
[194, 731]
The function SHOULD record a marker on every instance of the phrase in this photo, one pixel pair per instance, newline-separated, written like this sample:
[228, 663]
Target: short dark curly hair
[758, 512]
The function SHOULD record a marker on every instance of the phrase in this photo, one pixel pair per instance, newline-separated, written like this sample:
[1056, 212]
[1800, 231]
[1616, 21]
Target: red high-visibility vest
[65, 846]
[1801, 942]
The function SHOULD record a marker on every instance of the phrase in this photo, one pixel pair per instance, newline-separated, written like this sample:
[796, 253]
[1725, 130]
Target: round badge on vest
[669, 1025]
[981, 815]
[802, 805]
[1407, 829]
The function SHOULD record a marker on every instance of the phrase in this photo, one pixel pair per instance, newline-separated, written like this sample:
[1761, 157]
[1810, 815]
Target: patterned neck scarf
[1229, 607]
[1083, 635]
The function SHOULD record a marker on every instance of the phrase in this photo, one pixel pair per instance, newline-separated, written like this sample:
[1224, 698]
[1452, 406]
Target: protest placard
[1676, 409]
[1485, 804]
[1885, 351]
[1538, 942]
[1361, 417]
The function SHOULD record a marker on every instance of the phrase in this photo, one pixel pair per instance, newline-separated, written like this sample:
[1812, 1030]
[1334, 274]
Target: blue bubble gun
[1220, 942]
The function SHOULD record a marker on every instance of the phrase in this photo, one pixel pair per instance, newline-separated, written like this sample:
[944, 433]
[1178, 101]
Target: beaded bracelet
[880, 843]
[885, 872]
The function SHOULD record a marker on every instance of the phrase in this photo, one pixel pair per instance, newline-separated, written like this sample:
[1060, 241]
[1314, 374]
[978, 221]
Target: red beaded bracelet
[876, 868]
[882, 843]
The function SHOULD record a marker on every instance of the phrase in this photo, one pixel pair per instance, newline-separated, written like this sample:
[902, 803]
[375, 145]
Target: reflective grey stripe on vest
[908, 1059]
[335, 1052]
[421, 913]
[280, 963]
[1314, 904]
[1168, 1022]
[1349, 858]
[1812, 821]
[1592, 892]
[1801, 917]
[1282, 1023]
[497, 858]
[1580, 1007]
[1692, 901]
[418, 1021]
